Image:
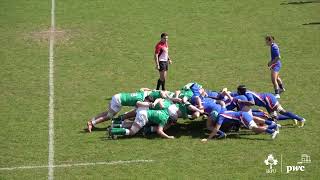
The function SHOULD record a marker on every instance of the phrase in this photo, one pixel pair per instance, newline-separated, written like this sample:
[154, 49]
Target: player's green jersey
[186, 93]
[159, 117]
[155, 94]
[166, 104]
[130, 99]
[183, 109]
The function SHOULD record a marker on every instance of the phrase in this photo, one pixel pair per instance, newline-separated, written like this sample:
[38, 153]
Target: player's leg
[260, 121]
[159, 83]
[123, 124]
[122, 117]
[271, 128]
[272, 132]
[163, 76]
[274, 77]
[250, 123]
[161, 79]
[140, 121]
[291, 115]
[124, 131]
[113, 109]
[280, 83]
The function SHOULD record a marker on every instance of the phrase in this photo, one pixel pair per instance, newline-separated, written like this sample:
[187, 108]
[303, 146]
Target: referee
[161, 58]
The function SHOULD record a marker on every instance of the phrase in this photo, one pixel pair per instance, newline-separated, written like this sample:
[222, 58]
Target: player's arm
[273, 61]
[176, 93]
[158, 101]
[176, 100]
[249, 102]
[144, 104]
[246, 103]
[163, 134]
[145, 89]
[213, 132]
[164, 94]
[169, 59]
[156, 57]
[222, 103]
[167, 126]
[199, 102]
[195, 109]
[225, 92]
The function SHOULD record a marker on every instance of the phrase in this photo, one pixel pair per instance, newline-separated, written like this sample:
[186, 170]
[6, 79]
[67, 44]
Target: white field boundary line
[78, 164]
[51, 95]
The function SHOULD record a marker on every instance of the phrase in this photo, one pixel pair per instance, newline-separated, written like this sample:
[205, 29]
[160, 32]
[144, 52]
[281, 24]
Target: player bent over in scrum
[118, 100]
[245, 117]
[272, 105]
[143, 116]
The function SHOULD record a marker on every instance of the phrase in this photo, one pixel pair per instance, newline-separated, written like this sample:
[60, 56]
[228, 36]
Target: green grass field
[106, 46]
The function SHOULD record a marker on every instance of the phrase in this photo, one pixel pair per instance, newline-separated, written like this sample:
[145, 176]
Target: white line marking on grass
[51, 94]
[78, 164]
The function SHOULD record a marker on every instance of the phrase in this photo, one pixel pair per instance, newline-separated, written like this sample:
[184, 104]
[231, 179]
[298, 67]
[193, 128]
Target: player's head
[164, 37]
[242, 89]
[269, 40]
[149, 99]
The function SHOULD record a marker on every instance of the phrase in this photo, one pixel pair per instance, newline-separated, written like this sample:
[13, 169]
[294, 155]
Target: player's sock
[258, 113]
[158, 84]
[281, 86]
[118, 131]
[116, 125]
[93, 121]
[292, 115]
[118, 119]
[221, 134]
[276, 91]
[282, 117]
[163, 85]
[272, 126]
[269, 131]
[268, 122]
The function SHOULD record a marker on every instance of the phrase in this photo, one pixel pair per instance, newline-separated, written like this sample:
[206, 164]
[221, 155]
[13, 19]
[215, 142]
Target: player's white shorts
[141, 117]
[115, 103]
[252, 124]
[173, 112]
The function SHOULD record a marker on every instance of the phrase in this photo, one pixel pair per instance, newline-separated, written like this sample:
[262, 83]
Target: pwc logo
[300, 166]
[305, 159]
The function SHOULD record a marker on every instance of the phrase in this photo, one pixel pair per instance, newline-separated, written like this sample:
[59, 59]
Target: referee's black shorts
[163, 65]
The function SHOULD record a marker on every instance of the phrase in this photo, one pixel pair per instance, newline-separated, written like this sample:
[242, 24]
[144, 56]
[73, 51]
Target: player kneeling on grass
[118, 100]
[143, 116]
[246, 119]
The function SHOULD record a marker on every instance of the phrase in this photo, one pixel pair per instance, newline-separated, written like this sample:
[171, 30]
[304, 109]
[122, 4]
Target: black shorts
[163, 65]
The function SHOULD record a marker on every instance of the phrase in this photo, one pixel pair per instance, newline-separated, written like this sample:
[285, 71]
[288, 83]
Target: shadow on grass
[85, 130]
[312, 23]
[300, 2]
[194, 129]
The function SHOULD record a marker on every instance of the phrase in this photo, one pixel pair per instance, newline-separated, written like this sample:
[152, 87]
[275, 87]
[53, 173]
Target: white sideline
[77, 164]
[51, 95]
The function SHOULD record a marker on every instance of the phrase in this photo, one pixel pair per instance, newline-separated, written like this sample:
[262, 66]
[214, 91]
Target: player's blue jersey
[213, 94]
[210, 105]
[267, 100]
[244, 117]
[195, 88]
[248, 95]
[234, 104]
[275, 52]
